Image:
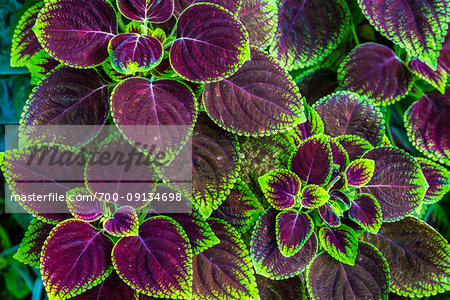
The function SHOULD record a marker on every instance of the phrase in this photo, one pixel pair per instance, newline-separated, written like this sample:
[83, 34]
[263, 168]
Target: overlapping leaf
[341, 243]
[359, 172]
[312, 126]
[281, 188]
[329, 215]
[292, 230]
[340, 155]
[259, 99]
[438, 179]
[313, 196]
[366, 212]
[437, 78]
[444, 57]
[83, 205]
[146, 10]
[354, 145]
[111, 289]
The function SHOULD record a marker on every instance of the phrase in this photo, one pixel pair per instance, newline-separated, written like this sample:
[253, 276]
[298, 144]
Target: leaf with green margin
[88, 209]
[340, 242]
[313, 196]
[240, 209]
[224, 271]
[438, 179]
[397, 183]
[293, 229]
[346, 113]
[312, 126]
[30, 248]
[124, 222]
[418, 257]
[281, 188]
[354, 145]
[359, 172]
[444, 57]
[366, 212]
[40, 65]
[340, 155]
[25, 43]
[437, 78]
[367, 279]
[424, 23]
[288, 289]
[267, 258]
[75, 258]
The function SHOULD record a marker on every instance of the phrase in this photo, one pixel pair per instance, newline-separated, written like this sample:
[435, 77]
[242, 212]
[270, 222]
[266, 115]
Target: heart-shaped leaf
[259, 99]
[266, 256]
[426, 123]
[30, 248]
[359, 172]
[340, 155]
[77, 32]
[113, 288]
[75, 257]
[83, 205]
[157, 262]
[444, 57]
[313, 160]
[366, 212]
[312, 126]
[65, 97]
[437, 78]
[327, 278]
[281, 188]
[240, 209]
[423, 23]
[288, 289]
[438, 179]
[308, 31]
[225, 270]
[354, 145]
[313, 196]
[341, 243]
[329, 216]
[125, 222]
[154, 11]
[348, 113]
[317, 83]
[373, 70]
[260, 19]
[397, 183]
[292, 230]
[211, 44]
[132, 53]
[417, 256]
[25, 43]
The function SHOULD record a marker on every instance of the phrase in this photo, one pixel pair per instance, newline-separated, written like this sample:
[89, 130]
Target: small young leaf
[312, 126]
[353, 145]
[340, 155]
[87, 207]
[341, 243]
[313, 196]
[417, 256]
[146, 10]
[437, 78]
[292, 231]
[426, 123]
[359, 172]
[75, 257]
[211, 44]
[438, 179]
[329, 216]
[281, 188]
[125, 222]
[348, 113]
[366, 212]
[327, 278]
[313, 160]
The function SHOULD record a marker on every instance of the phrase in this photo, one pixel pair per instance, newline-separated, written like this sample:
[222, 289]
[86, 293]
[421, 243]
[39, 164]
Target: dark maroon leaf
[75, 257]
[359, 172]
[288, 289]
[354, 145]
[86, 207]
[40, 65]
[366, 212]
[312, 126]
[293, 230]
[340, 242]
[316, 84]
[444, 57]
[313, 196]
[77, 32]
[155, 11]
[231, 5]
[124, 222]
[329, 216]
[438, 179]
[113, 288]
[348, 113]
[281, 188]
[340, 155]
[437, 78]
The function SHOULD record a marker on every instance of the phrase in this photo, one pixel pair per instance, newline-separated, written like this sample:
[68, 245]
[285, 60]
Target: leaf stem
[355, 35]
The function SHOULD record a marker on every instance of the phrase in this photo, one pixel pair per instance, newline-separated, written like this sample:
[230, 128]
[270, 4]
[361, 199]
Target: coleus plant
[288, 199]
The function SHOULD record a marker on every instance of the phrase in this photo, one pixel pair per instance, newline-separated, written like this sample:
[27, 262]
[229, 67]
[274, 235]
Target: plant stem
[387, 121]
[355, 35]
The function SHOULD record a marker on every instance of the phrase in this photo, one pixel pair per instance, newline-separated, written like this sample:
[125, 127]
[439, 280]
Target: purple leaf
[29, 251]
[329, 216]
[157, 262]
[373, 70]
[132, 53]
[417, 256]
[397, 183]
[340, 155]
[366, 212]
[66, 97]
[260, 19]
[444, 57]
[289, 289]
[327, 278]
[312, 161]
[345, 113]
[359, 172]
[437, 78]
[281, 188]
[267, 258]
[87, 209]
[113, 288]
[312, 126]
[308, 31]
[341, 243]
[417, 26]
[77, 32]
[354, 145]
[225, 270]
[313, 196]
[40, 65]
[25, 43]
[240, 209]
[259, 99]
[339, 200]
[438, 179]
[155, 11]
[426, 123]
[292, 231]
[125, 222]
[317, 83]
[231, 5]
[211, 44]
[75, 257]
